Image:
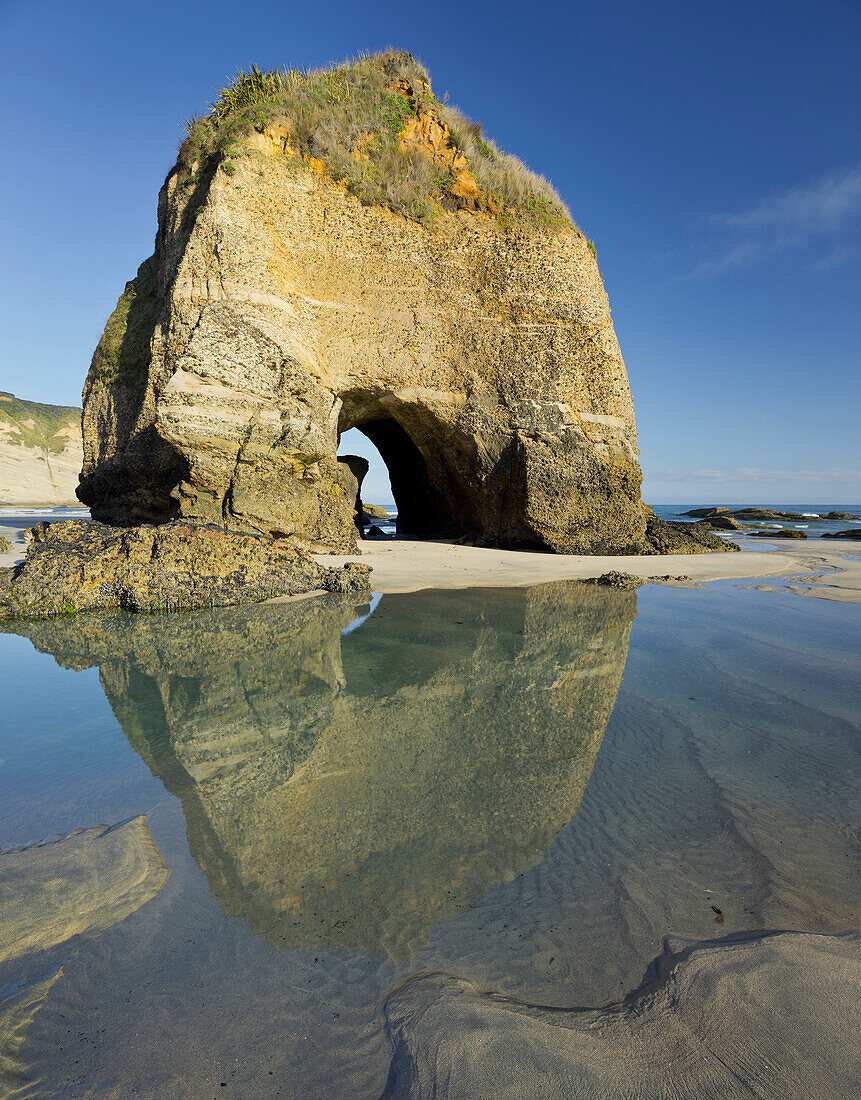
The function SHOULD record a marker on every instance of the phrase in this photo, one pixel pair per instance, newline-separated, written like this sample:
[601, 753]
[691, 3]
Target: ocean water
[527, 788]
[814, 523]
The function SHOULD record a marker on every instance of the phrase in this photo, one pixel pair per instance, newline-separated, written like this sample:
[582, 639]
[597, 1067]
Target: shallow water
[527, 788]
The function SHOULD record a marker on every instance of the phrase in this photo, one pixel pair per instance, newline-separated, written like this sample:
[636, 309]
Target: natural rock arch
[279, 308]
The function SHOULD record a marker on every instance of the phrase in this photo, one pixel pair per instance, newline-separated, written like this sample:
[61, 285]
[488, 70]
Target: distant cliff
[40, 452]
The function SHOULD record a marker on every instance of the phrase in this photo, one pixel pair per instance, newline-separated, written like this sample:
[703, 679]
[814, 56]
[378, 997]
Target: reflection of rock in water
[355, 790]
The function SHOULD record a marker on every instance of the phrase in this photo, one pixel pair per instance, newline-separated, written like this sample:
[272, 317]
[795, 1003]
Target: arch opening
[421, 508]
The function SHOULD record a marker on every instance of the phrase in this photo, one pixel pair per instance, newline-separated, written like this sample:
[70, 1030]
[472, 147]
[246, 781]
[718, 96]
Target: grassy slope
[38, 424]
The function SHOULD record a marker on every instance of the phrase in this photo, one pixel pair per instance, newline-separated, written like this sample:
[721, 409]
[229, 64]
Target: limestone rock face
[278, 311]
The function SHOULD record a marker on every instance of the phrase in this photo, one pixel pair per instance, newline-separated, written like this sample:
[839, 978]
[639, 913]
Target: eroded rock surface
[78, 565]
[671, 537]
[278, 311]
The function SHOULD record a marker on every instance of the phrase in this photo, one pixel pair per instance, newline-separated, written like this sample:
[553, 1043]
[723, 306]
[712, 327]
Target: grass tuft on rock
[351, 117]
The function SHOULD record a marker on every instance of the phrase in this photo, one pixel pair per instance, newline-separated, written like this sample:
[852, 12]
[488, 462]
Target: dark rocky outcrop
[852, 533]
[766, 513]
[749, 514]
[672, 537]
[614, 579]
[779, 533]
[5, 545]
[78, 565]
[373, 512]
[707, 513]
[722, 523]
[841, 515]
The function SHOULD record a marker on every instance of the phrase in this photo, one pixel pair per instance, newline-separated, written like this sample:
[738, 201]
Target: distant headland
[41, 452]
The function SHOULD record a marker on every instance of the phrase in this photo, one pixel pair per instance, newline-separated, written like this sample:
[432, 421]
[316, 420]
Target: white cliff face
[41, 453]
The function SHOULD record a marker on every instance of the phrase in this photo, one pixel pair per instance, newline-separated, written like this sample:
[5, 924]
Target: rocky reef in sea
[341, 249]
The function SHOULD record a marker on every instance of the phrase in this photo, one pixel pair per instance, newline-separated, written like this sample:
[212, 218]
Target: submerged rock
[772, 1015]
[79, 565]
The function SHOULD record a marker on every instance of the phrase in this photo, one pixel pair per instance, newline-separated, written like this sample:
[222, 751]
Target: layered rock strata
[78, 565]
[278, 311]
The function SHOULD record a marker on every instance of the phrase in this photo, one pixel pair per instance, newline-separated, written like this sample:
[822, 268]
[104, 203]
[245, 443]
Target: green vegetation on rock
[37, 425]
[351, 118]
[123, 353]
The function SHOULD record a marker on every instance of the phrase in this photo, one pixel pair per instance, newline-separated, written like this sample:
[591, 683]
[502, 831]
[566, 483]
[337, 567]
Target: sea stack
[341, 249]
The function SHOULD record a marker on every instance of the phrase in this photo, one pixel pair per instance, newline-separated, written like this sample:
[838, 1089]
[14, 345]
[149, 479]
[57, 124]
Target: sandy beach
[823, 569]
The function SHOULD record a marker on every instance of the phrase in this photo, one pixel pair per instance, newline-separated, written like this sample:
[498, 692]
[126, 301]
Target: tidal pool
[262, 821]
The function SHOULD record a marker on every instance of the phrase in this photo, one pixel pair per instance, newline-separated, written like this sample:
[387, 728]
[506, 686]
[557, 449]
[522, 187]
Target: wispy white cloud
[821, 220]
[758, 475]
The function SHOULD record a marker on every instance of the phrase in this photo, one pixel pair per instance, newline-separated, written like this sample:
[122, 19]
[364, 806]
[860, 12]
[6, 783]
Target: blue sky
[712, 153]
